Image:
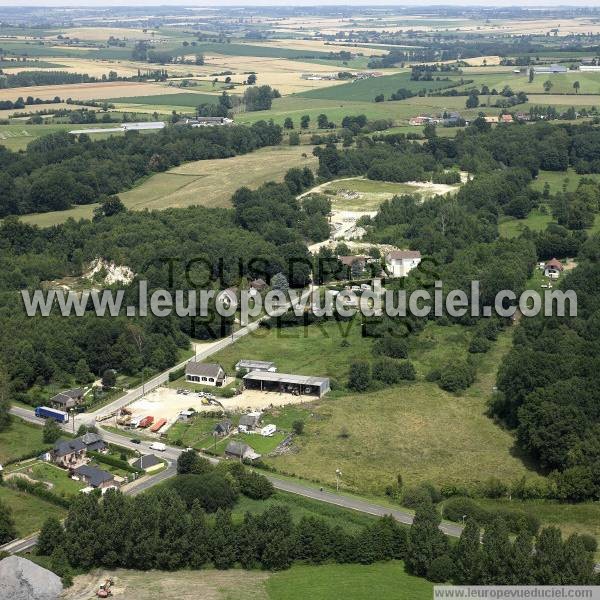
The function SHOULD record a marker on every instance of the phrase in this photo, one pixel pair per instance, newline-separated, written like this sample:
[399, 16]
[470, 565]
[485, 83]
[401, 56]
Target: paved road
[171, 454]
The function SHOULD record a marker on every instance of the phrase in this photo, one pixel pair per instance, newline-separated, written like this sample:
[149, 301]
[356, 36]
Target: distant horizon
[297, 3]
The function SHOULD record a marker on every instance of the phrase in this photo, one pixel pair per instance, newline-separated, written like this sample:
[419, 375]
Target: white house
[204, 373]
[399, 263]
[553, 268]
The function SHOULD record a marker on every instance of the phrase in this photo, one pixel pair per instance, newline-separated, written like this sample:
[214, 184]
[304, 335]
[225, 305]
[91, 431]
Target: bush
[415, 497]
[228, 393]
[589, 542]
[107, 459]
[455, 509]
[37, 489]
[360, 376]
[441, 569]
[213, 490]
[494, 488]
[177, 374]
[517, 520]
[457, 376]
[406, 371]
[256, 486]
[390, 346]
[479, 345]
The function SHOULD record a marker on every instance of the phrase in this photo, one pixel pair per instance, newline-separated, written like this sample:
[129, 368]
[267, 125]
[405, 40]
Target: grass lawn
[283, 417]
[19, 439]
[62, 485]
[193, 434]
[557, 179]
[536, 221]
[29, 512]
[351, 582]
[371, 193]
[262, 444]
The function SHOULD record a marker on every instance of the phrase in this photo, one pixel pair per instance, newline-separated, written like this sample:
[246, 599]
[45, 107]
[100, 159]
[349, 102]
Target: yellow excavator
[104, 589]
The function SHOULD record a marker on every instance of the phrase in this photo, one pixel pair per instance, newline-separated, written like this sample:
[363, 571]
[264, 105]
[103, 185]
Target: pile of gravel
[21, 579]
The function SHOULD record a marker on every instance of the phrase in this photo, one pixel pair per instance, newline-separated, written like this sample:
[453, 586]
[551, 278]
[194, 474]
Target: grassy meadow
[29, 512]
[208, 183]
[19, 439]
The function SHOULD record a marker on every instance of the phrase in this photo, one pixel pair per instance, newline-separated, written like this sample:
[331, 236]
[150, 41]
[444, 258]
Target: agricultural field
[87, 91]
[430, 435]
[365, 90]
[197, 183]
[355, 582]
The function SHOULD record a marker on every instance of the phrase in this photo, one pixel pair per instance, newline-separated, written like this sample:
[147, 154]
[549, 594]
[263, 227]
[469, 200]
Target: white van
[158, 446]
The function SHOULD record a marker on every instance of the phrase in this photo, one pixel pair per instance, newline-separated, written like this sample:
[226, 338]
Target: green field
[184, 99]
[336, 109]
[415, 428]
[365, 90]
[351, 582]
[194, 434]
[29, 512]
[208, 183]
[20, 439]
[562, 83]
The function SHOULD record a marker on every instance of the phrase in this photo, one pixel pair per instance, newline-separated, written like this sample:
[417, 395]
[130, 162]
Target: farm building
[399, 263]
[552, 69]
[553, 268]
[223, 428]
[148, 462]
[249, 421]
[285, 382]
[67, 399]
[240, 451]
[255, 365]
[204, 373]
[94, 477]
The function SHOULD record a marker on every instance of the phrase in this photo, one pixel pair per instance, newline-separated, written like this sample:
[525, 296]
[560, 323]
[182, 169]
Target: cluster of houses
[73, 456]
[448, 119]
[398, 263]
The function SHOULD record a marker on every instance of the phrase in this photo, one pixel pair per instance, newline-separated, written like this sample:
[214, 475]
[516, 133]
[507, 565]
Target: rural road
[285, 485]
[171, 453]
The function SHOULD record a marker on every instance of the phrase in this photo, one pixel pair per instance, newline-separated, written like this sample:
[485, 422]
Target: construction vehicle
[104, 590]
[124, 420]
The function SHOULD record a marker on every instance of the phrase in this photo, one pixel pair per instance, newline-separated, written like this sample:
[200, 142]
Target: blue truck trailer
[51, 413]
